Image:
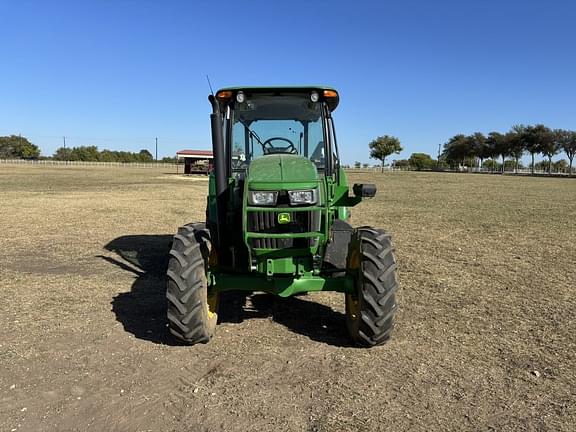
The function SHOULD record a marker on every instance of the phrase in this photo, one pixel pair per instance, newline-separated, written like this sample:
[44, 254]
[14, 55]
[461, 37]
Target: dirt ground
[485, 336]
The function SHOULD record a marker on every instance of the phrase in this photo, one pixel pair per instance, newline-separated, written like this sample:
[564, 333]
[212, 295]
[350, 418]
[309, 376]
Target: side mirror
[364, 190]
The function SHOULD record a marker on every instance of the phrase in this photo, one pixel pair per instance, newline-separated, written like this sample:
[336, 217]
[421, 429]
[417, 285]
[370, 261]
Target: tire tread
[187, 286]
[377, 285]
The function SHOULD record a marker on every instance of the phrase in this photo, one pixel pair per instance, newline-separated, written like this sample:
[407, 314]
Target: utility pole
[65, 153]
[438, 159]
[156, 158]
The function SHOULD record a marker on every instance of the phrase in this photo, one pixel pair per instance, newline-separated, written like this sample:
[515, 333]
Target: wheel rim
[352, 301]
[212, 303]
[352, 306]
[213, 296]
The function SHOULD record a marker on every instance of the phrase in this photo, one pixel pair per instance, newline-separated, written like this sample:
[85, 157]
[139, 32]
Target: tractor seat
[318, 153]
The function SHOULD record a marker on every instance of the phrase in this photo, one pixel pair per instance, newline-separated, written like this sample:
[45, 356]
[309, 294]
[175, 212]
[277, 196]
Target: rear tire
[370, 309]
[192, 308]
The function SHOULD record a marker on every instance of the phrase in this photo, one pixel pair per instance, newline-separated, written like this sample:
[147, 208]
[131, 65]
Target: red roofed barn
[196, 161]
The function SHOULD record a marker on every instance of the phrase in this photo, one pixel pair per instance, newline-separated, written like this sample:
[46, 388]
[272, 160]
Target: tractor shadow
[142, 311]
[299, 314]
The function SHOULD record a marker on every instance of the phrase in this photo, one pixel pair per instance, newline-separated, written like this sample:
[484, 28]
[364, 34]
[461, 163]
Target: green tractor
[276, 219]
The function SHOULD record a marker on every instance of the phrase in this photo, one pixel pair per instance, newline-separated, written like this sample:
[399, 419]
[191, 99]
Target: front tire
[370, 309]
[192, 306]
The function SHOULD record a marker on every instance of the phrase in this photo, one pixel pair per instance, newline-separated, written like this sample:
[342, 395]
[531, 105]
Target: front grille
[267, 223]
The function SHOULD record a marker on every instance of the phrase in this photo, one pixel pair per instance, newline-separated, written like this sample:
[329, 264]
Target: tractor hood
[282, 171]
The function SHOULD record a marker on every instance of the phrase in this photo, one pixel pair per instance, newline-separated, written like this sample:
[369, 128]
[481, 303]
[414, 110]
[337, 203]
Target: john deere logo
[283, 218]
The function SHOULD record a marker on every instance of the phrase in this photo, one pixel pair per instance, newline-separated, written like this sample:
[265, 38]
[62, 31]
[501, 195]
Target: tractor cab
[291, 121]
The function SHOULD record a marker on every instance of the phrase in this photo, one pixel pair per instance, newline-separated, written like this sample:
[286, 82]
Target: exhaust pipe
[219, 170]
[218, 146]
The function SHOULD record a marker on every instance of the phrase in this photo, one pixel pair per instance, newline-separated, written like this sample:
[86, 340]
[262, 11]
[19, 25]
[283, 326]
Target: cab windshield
[270, 124]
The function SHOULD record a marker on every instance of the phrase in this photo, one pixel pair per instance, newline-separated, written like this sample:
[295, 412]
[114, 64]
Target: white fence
[175, 167]
[57, 163]
[525, 171]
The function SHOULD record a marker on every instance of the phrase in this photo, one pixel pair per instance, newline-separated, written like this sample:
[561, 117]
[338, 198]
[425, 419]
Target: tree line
[386, 145]
[19, 147]
[92, 154]
[471, 150]
[520, 139]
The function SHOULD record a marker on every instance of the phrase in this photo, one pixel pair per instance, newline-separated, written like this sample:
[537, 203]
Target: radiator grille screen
[267, 223]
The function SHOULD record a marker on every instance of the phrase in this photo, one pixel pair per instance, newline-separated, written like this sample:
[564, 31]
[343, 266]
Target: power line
[102, 140]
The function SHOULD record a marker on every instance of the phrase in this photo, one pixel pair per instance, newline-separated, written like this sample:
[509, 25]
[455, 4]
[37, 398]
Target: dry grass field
[485, 336]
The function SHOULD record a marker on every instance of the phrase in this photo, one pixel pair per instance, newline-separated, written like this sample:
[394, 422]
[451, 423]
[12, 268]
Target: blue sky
[118, 73]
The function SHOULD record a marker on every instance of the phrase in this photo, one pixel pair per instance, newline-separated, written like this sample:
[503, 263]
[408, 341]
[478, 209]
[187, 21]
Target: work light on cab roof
[328, 94]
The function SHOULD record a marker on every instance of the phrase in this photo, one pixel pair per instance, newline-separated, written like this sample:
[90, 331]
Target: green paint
[271, 172]
[282, 286]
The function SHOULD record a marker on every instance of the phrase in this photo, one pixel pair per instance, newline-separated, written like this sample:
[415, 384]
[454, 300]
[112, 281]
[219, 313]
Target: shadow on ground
[142, 311]
[300, 314]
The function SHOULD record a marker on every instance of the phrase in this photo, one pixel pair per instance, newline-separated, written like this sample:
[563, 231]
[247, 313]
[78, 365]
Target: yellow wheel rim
[212, 304]
[352, 301]
[213, 297]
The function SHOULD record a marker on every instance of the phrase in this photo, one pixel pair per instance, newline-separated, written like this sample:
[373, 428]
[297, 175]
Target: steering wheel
[268, 148]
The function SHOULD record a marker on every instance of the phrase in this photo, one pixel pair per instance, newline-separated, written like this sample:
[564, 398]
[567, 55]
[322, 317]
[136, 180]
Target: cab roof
[332, 102]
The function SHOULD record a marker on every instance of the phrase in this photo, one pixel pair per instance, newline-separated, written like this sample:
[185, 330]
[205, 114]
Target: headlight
[303, 196]
[262, 197]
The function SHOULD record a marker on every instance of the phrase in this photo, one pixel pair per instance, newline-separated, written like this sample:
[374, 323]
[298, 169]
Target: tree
[420, 161]
[384, 146]
[357, 164]
[401, 164]
[108, 156]
[530, 144]
[567, 142]
[479, 147]
[441, 163]
[17, 147]
[548, 146]
[168, 159]
[86, 153]
[541, 166]
[63, 154]
[511, 165]
[457, 149]
[560, 166]
[534, 135]
[517, 143]
[145, 156]
[498, 145]
[492, 165]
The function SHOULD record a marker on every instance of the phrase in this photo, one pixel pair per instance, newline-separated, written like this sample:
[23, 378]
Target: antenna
[210, 85]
